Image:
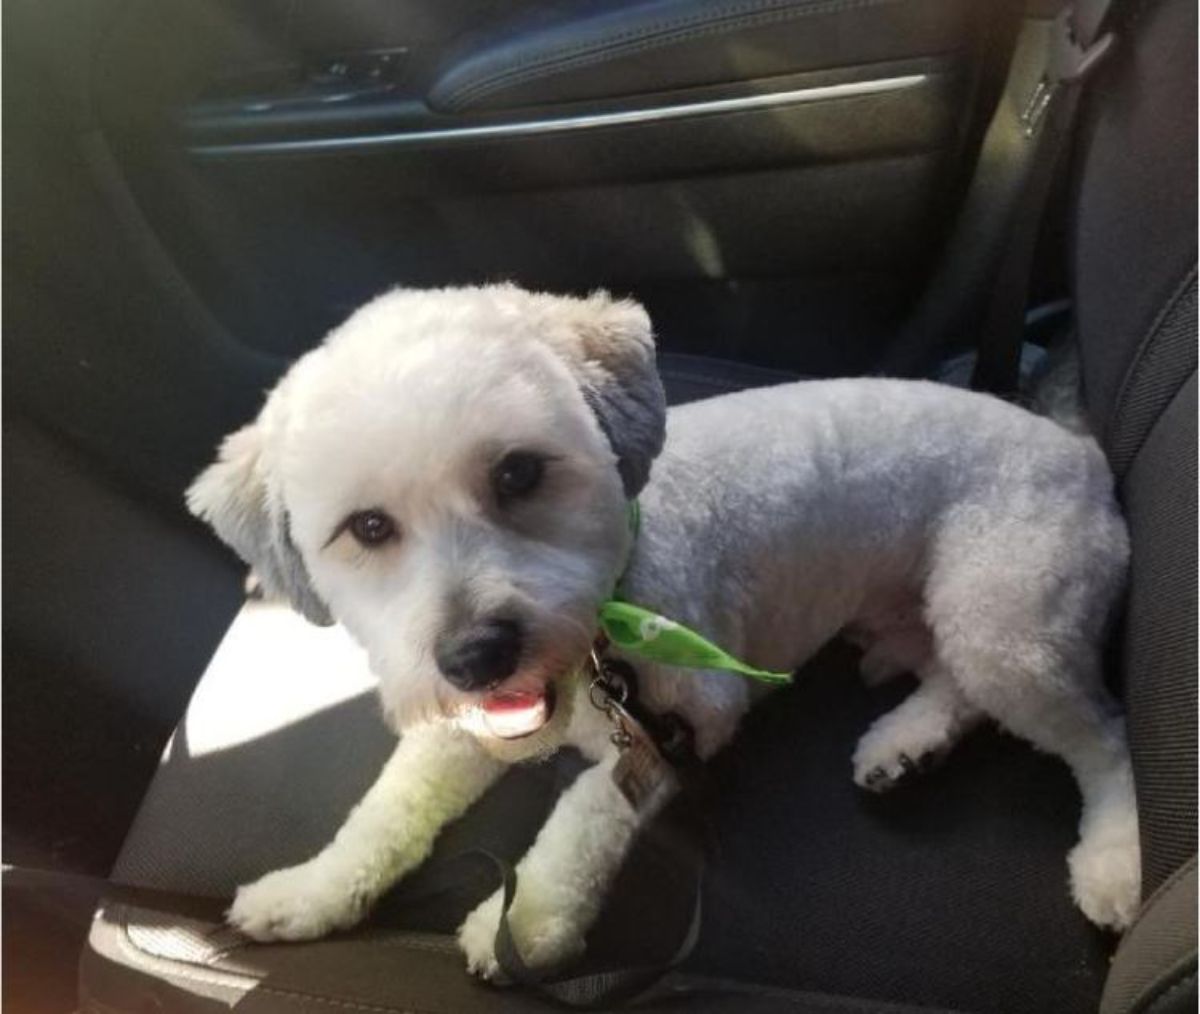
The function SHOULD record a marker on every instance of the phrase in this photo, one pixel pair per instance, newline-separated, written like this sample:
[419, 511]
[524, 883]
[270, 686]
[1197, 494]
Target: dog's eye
[517, 475]
[371, 528]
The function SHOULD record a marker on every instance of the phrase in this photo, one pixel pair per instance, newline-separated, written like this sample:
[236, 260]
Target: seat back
[1134, 265]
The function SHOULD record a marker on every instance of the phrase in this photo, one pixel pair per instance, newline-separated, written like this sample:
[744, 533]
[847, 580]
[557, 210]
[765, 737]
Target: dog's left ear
[235, 495]
[614, 362]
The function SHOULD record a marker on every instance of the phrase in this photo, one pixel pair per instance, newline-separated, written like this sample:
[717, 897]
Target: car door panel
[775, 161]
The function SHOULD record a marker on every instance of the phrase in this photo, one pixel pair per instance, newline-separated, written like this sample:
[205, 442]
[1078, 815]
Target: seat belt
[1075, 46]
[981, 283]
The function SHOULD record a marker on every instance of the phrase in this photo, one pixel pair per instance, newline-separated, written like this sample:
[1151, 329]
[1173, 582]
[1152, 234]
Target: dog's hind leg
[1062, 708]
[893, 637]
[915, 735]
[896, 652]
[1018, 631]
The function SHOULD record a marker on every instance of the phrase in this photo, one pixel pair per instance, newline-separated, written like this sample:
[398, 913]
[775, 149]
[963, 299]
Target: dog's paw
[477, 939]
[1106, 880]
[893, 750]
[543, 938]
[299, 903]
[893, 770]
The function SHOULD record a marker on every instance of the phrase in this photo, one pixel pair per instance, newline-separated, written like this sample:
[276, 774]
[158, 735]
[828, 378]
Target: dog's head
[447, 475]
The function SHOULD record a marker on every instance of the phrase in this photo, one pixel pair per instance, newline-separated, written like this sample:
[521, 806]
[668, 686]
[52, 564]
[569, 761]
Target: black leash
[638, 775]
[651, 746]
[589, 990]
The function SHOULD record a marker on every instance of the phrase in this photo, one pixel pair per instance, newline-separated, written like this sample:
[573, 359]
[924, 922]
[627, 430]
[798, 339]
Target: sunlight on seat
[279, 668]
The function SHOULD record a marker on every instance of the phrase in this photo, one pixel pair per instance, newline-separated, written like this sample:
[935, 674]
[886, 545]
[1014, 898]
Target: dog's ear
[235, 495]
[614, 362]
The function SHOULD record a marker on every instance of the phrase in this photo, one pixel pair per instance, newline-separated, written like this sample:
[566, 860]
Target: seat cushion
[952, 894]
[138, 960]
[949, 895]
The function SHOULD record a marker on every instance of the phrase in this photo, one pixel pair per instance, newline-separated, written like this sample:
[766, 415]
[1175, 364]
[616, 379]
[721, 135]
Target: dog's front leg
[564, 877]
[434, 774]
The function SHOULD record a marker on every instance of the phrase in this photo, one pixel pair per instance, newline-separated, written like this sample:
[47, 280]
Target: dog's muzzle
[481, 655]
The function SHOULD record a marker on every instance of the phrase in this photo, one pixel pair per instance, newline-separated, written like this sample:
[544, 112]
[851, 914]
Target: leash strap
[592, 990]
[614, 691]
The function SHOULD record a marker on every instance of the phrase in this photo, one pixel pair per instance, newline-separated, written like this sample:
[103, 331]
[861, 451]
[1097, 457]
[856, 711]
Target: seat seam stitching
[186, 970]
[1147, 992]
[1144, 353]
[1162, 889]
[1146, 1003]
[1127, 461]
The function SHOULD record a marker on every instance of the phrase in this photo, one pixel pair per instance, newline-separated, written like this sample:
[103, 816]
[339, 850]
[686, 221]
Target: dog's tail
[1051, 382]
[1054, 388]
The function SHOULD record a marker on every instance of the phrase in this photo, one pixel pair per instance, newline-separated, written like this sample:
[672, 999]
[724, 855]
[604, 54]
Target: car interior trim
[562, 124]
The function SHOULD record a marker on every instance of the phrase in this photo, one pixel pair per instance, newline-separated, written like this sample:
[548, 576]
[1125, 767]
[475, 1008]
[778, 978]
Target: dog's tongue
[517, 707]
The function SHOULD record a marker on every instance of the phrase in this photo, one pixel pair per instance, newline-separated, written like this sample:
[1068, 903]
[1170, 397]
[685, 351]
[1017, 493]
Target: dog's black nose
[483, 654]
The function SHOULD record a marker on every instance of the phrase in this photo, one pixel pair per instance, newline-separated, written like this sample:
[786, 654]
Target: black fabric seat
[949, 895]
[798, 848]
[987, 835]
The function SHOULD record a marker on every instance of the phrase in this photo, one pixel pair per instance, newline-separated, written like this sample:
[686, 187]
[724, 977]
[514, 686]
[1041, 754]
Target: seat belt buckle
[1068, 62]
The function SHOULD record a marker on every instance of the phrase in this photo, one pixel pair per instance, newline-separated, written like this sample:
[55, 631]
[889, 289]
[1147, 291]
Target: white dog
[448, 475]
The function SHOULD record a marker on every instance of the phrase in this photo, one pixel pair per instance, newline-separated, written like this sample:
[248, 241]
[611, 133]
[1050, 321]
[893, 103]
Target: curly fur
[949, 533]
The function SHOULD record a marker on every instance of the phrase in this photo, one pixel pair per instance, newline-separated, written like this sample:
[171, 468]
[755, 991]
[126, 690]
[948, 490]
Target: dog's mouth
[518, 707]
